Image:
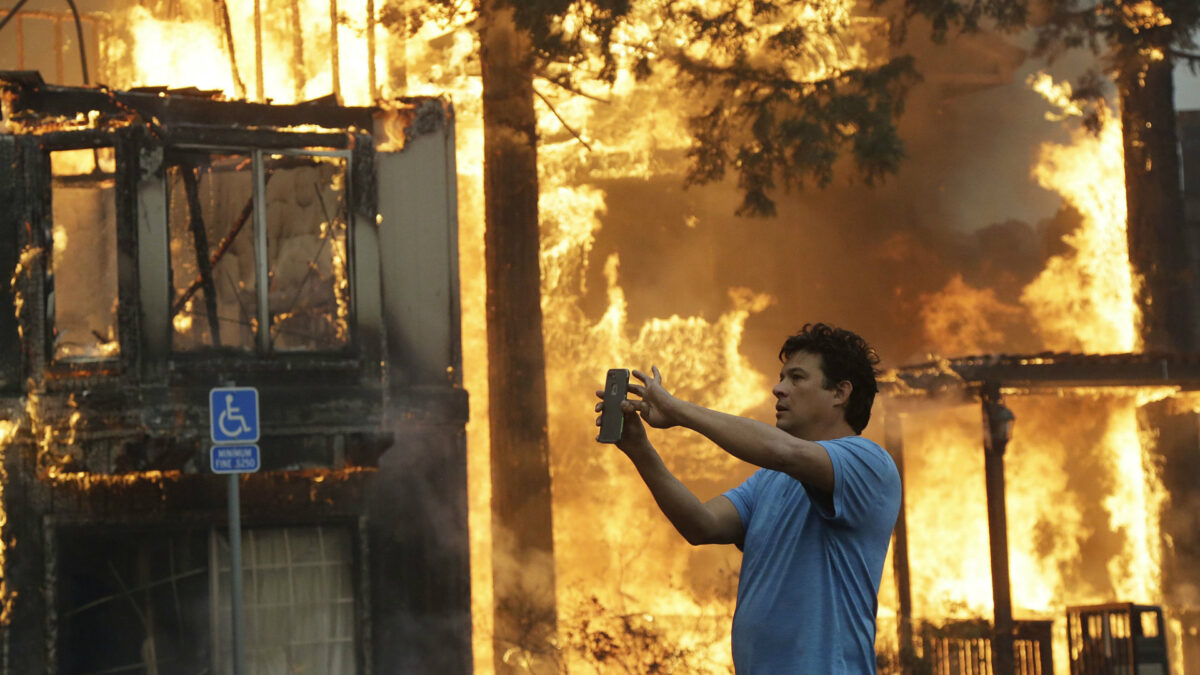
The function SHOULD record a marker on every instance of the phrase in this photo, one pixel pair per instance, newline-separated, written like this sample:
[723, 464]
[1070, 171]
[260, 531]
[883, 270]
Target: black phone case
[612, 421]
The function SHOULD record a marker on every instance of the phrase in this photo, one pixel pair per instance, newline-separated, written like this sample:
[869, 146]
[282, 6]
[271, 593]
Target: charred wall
[1178, 444]
[10, 221]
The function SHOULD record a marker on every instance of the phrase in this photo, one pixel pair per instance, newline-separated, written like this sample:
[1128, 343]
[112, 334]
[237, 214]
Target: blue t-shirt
[809, 585]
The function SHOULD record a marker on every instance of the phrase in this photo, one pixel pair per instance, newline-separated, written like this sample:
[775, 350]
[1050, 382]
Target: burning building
[359, 374]
[161, 243]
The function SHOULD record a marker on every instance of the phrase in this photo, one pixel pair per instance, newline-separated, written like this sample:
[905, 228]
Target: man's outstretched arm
[749, 440]
[713, 522]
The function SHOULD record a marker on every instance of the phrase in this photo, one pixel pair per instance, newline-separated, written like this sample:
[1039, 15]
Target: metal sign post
[235, 574]
[233, 420]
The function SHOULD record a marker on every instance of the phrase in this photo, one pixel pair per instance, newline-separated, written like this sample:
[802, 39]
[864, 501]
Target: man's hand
[633, 433]
[714, 522]
[658, 407]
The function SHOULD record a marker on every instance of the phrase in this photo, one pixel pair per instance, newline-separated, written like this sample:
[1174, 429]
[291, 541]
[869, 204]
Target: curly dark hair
[844, 357]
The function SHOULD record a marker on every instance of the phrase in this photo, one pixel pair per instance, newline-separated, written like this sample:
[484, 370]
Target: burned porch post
[997, 430]
[893, 432]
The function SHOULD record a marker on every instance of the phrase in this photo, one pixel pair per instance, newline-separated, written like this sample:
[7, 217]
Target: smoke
[963, 206]
[418, 522]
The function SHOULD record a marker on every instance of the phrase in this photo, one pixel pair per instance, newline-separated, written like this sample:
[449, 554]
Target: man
[813, 522]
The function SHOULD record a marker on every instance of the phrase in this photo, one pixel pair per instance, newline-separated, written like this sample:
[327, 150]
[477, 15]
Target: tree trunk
[1158, 245]
[523, 544]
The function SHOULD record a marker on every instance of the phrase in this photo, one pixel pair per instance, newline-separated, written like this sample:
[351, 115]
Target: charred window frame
[86, 237]
[275, 224]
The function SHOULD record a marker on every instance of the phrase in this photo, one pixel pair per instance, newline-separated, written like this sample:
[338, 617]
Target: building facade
[163, 243]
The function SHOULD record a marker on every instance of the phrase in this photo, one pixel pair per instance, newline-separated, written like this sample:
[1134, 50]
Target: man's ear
[841, 392]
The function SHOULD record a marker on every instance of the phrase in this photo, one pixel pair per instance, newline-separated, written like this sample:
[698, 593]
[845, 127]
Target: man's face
[802, 406]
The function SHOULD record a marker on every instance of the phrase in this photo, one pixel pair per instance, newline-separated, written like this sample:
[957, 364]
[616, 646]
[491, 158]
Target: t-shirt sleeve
[745, 496]
[865, 481]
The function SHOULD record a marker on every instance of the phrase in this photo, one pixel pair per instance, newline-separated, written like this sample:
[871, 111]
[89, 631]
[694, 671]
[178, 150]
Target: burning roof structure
[1152, 393]
[1050, 370]
[165, 242]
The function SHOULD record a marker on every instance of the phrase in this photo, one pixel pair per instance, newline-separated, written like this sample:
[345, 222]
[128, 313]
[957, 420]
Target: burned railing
[965, 648]
[1116, 638]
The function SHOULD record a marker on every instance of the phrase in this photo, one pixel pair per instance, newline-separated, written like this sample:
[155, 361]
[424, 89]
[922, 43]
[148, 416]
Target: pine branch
[561, 120]
[565, 86]
[743, 75]
[1192, 58]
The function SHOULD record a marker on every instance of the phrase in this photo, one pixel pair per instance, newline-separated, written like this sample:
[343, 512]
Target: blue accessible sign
[235, 458]
[233, 414]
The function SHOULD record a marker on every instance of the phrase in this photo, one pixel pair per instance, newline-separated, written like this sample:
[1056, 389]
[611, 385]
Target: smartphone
[612, 420]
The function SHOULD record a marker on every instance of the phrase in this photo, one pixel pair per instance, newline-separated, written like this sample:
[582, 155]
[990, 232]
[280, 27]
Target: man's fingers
[646, 379]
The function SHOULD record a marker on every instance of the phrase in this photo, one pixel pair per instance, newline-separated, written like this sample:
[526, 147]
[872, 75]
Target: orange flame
[8, 430]
[1082, 503]
[1084, 301]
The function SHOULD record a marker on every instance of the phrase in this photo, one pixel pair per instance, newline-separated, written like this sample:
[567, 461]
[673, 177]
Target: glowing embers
[259, 239]
[81, 294]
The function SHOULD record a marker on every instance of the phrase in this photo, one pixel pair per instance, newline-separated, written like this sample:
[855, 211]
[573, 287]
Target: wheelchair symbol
[233, 414]
[229, 416]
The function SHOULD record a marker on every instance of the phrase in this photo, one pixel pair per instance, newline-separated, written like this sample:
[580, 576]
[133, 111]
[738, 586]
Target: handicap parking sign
[233, 414]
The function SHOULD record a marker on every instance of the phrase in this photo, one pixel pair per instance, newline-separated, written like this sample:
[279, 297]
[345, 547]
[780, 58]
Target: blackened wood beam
[222, 249]
[222, 9]
[1045, 371]
[177, 109]
[200, 240]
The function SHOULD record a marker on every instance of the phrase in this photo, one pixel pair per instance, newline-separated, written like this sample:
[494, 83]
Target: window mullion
[260, 252]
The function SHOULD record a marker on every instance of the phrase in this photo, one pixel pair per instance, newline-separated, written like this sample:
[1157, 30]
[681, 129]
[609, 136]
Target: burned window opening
[82, 298]
[172, 589]
[130, 602]
[288, 271]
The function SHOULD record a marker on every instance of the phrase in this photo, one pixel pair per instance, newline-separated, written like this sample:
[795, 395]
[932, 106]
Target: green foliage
[965, 15]
[770, 128]
[784, 104]
[780, 106]
[1125, 33]
[781, 88]
[1102, 25]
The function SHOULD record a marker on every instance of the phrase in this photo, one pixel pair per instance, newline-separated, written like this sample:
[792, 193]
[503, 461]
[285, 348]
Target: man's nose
[777, 390]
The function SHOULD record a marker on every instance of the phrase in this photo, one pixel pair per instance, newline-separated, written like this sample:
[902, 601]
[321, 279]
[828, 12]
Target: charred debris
[163, 242]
